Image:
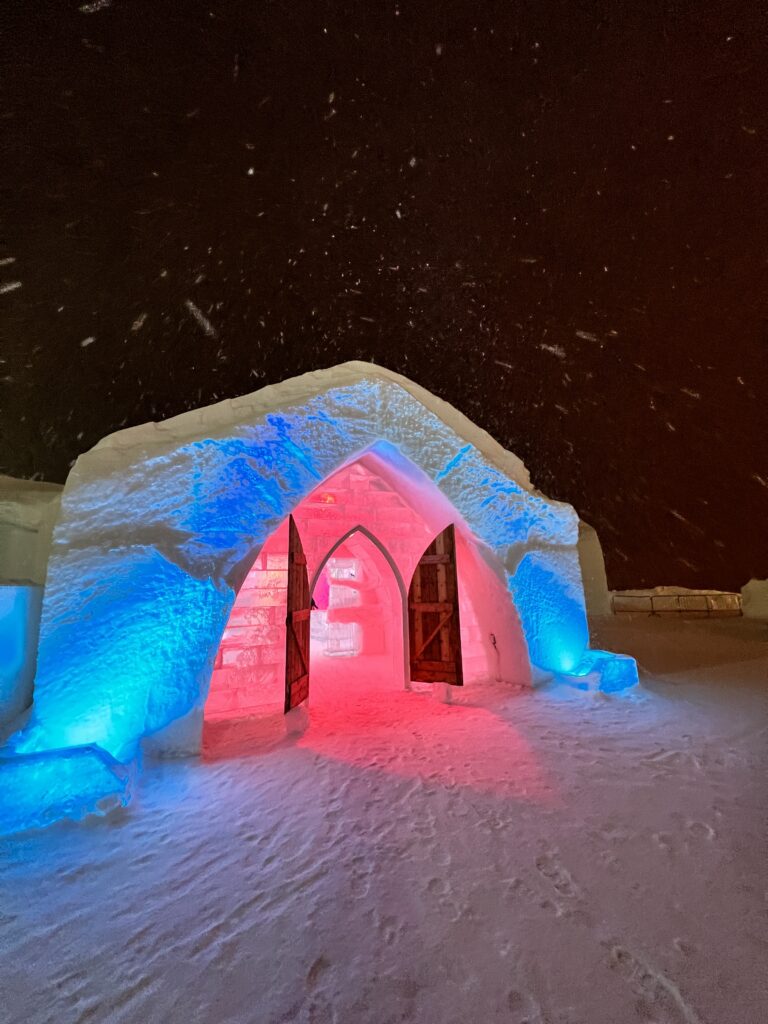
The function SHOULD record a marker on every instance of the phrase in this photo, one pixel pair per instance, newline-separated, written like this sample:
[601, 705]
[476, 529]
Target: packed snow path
[553, 857]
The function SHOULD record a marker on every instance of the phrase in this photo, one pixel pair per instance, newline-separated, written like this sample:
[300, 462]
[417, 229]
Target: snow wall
[160, 524]
[19, 627]
[754, 599]
[597, 597]
[28, 510]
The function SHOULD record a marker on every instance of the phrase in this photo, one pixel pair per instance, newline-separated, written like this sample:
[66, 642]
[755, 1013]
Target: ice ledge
[603, 671]
[37, 790]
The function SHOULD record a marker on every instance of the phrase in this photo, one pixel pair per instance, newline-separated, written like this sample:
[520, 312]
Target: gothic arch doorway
[359, 617]
[366, 536]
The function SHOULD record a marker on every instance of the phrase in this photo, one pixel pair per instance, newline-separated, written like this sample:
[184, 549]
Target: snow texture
[160, 524]
[551, 856]
[754, 599]
[596, 594]
[28, 511]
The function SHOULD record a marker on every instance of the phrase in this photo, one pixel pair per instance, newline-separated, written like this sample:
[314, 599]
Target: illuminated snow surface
[555, 857]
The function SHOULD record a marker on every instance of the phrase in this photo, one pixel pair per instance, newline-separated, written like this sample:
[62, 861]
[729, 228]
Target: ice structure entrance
[350, 551]
[161, 523]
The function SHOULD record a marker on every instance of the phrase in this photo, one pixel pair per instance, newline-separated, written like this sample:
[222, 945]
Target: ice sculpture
[161, 523]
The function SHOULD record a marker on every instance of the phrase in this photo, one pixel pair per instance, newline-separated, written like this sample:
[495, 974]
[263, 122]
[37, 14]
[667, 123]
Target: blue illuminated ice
[120, 651]
[604, 671]
[37, 789]
[547, 592]
[160, 523]
[19, 616]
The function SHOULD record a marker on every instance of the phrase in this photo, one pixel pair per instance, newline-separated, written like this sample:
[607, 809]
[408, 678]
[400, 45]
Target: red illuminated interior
[363, 531]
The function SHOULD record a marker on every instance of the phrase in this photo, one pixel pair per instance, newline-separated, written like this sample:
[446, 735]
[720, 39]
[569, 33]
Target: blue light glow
[157, 533]
[19, 616]
[13, 616]
[126, 652]
[551, 609]
[614, 672]
[37, 789]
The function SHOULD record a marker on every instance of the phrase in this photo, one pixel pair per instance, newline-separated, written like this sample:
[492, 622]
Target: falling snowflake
[556, 350]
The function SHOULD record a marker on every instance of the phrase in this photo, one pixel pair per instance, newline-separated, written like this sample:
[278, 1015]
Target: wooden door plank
[296, 622]
[433, 613]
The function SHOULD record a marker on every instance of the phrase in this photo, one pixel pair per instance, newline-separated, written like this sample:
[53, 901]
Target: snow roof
[221, 418]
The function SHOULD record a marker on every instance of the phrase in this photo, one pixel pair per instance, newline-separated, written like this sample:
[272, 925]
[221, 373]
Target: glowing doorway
[363, 531]
[358, 619]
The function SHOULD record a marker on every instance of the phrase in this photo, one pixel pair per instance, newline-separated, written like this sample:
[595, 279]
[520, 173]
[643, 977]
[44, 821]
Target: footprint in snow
[523, 1007]
[437, 886]
[660, 999]
[664, 841]
[701, 830]
[548, 865]
[318, 968]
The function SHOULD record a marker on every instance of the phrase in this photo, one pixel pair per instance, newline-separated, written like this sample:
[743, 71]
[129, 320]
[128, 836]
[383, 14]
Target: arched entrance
[161, 523]
[359, 618]
[362, 534]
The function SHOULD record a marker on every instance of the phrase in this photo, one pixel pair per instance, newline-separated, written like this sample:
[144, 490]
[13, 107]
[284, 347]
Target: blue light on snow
[36, 789]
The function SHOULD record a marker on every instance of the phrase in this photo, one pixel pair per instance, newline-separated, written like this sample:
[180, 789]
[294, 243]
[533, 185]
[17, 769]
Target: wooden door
[433, 614]
[296, 622]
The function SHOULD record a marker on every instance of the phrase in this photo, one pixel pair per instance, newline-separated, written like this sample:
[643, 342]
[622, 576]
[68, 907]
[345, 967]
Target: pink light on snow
[460, 745]
[487, 753]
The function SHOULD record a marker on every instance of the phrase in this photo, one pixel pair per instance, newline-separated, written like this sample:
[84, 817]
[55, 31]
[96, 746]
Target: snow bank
[596, 593]
[679, 601]
[754, 599]
[28, 511]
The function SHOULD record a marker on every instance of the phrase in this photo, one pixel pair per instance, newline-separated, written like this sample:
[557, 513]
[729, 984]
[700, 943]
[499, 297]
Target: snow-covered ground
[555, 857]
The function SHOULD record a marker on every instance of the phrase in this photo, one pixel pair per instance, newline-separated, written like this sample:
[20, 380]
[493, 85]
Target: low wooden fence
[689, 606]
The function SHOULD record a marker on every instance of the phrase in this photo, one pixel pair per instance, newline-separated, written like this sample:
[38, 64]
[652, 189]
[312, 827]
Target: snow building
[345, 522]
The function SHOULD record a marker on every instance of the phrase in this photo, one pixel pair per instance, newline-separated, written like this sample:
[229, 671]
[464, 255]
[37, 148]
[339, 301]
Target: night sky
[552, 214]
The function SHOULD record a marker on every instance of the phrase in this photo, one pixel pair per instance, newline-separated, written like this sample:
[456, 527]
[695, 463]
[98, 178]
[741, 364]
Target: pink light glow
[488, 754]
[358, 627]
[358, 639]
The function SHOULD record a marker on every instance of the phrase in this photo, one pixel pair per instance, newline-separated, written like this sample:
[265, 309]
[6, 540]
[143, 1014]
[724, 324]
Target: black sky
[552, 214]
